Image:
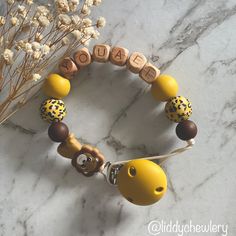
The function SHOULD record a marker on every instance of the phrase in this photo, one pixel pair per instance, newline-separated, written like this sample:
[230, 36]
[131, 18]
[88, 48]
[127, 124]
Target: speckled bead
[178, 109]
[53, 110]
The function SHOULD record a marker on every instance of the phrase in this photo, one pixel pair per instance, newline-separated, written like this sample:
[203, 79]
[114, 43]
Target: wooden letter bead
[149, 73]
[119, 56]
[101, 52]
[136, 62]
[82, 57]
[67, 66]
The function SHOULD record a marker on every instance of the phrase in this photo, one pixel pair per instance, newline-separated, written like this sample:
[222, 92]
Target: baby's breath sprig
[33, 38]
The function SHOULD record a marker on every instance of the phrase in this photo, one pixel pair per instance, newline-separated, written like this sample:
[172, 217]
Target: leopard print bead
[53, 110]
[178, 109]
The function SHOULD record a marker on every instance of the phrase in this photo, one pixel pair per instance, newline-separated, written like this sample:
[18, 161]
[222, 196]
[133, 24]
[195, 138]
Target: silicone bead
[178, 109]
[53, 110]
[58, 132]
[142, 182]
[164, 88]
[56, 86]
[186, 130]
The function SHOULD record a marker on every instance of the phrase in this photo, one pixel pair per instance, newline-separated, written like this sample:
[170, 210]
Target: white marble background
[41, 194]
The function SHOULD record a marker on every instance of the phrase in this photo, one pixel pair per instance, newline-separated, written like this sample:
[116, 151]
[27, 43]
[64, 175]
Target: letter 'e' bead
[149, 73]
[136, 62]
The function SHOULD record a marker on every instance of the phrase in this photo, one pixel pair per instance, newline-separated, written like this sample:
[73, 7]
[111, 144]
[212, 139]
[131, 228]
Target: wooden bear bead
[149, 73]
[82, 57]
[119, 56]
[67, 66]
[136, 62]
[101, 52]
[70, 147]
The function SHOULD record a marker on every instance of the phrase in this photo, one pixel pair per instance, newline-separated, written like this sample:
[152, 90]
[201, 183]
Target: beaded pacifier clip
[141, 181]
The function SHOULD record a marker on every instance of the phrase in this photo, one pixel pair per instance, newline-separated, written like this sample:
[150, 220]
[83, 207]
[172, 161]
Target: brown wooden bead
[186, 130]
[58, 131]
[136, 62]
[149, 73]
[82, 57]
[101, 52]
[69, 147]
[119, 56]
[68, 67]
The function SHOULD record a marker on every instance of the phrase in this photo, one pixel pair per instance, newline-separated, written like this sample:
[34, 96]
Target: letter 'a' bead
[101, 52]
[119, 56]
[136, 62]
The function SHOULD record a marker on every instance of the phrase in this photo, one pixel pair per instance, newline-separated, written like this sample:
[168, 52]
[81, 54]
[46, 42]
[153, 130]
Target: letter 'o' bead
[58, 132]
[178, 109]
[186, 130]
[164, 88]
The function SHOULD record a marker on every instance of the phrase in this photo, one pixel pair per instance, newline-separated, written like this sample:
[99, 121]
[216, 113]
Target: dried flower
[64, 19]
[62, 6]
[75, 19]
[101, 22]
[2, 20]
[8, 56]
[85, 10]
[96, 2]
[29, 2]
[43, 21]
[77, 34]
[87, 22]
[14, 21]
[45, 49]
[36, 77]
[40, 36]
[10, 2]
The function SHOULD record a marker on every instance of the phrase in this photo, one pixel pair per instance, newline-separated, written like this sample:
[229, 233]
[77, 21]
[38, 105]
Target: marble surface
[41, 194]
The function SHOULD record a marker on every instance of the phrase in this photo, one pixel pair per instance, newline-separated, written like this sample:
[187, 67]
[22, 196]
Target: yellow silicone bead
[142, 182]
[164, 88]
[56, 86]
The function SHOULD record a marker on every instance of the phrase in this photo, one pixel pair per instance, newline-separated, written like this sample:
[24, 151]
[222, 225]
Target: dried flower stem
[34, 38]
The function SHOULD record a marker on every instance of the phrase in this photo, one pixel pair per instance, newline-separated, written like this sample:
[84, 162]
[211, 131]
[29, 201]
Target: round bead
[186, 130]
[58, 132]
[142, 182]
[164, 88]
[178, 109]
[53, 110]
[56, 86]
